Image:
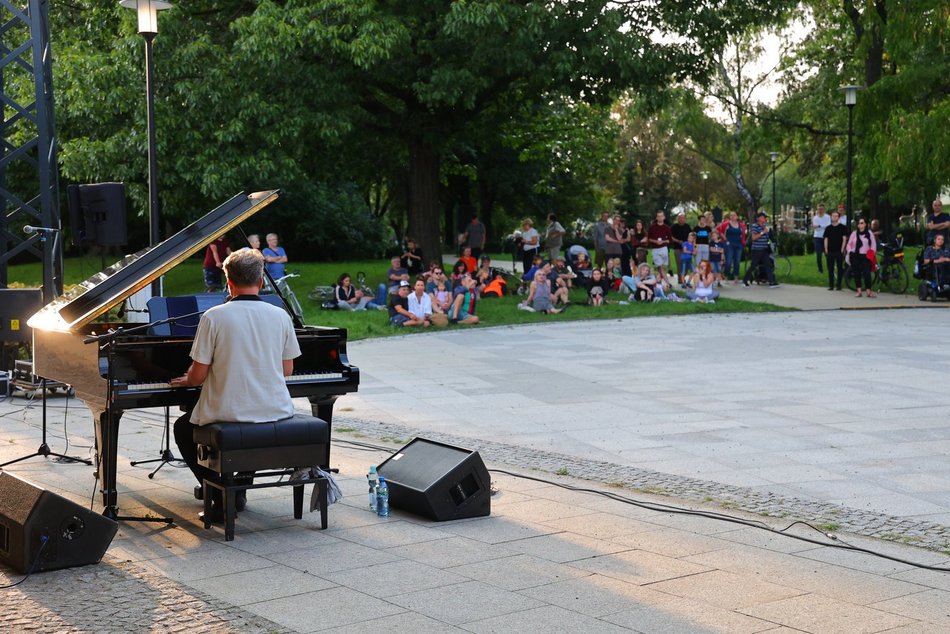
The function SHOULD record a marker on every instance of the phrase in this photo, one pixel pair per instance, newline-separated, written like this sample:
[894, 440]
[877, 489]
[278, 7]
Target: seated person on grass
[463, 307]
[597, 293]
[496, 286]
[540, 299]
[440, 292]
[471, 264]
[399, 314]
[420, 305]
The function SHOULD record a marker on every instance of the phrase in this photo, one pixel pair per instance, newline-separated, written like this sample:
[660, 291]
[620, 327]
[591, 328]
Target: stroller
[935, 279]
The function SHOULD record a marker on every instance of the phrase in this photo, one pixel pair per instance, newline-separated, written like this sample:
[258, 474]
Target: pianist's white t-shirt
[245, 342]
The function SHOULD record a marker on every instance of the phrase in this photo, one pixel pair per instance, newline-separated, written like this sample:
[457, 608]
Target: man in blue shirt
[275, 257]
[761, 253]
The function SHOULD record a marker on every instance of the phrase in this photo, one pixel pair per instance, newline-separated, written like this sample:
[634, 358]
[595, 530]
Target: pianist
[242, 351]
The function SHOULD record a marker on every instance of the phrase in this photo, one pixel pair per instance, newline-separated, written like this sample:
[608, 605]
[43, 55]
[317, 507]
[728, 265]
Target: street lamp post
[705, 176]
[850, 98]
[147, 11]
[773, 156]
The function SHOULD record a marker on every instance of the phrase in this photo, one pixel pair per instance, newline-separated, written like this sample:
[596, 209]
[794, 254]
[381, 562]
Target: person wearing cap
[761, 251]
[565, 275]
[399, 314]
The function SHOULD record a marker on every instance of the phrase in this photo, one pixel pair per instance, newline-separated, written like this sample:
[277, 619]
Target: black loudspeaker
[29, 515]
[437, 481]
[97, 214]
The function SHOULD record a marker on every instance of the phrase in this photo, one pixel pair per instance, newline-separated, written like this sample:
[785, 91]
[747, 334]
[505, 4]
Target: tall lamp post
[773, 156]
[705, 176]
[850, 98]
[147, 11]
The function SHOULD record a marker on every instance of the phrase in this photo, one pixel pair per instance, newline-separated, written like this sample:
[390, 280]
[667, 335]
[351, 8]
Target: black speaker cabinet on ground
[437, 481]
[28, 514]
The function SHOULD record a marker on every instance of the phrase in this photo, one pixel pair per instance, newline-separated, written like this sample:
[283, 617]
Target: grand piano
[115, 366]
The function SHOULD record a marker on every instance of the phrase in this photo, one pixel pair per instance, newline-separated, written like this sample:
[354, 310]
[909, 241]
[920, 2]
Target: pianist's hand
[180, 381]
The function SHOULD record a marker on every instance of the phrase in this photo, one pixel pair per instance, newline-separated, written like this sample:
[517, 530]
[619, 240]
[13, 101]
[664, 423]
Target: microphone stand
[44, 449]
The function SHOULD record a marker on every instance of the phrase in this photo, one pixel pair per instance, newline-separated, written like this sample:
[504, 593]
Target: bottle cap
[382, 479]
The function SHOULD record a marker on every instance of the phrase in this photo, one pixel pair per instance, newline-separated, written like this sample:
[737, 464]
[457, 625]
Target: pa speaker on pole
[30, 516]
[97, 214]
[437, 481]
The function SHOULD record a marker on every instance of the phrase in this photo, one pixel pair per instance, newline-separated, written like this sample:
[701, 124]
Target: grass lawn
[186, 279]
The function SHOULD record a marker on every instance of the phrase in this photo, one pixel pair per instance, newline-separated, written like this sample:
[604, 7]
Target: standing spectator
[614, 238]
[254, 241]
[474, 236]
[411, 259]
[347, 297]
[717, 249]
[395, 275]
[703, 230]
[399, 314]
[215, 253]
[463, 308]
[553, 237]
[938, 222]
[275, 257]
[820, 222]
[860, 243]
[836, 235]
[626, 253]
[468, 260]
[734, 232]
[681, 231]
[686, 258]
[761, 252]
[876, 230]
[659, 236]
[530, 242]
[639, 242]
[600, 242]
[843, 215]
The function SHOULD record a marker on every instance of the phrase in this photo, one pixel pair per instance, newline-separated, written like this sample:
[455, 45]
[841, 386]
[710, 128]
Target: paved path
[795, 412]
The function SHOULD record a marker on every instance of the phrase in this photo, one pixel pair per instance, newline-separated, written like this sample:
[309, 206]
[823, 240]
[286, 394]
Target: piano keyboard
[312, 377]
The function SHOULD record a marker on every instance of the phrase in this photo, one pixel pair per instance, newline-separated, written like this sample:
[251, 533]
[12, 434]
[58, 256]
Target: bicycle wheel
[848, 278]
[783, 267]
[894, 278]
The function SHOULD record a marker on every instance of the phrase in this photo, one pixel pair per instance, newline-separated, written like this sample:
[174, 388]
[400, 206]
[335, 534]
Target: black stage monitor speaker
[97, 214]
[28, 515]
[437, 481]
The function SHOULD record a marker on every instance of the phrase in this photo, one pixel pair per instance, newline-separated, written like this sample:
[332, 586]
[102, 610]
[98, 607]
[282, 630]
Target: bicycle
[891, 271]
[781, 265]
[284, 289]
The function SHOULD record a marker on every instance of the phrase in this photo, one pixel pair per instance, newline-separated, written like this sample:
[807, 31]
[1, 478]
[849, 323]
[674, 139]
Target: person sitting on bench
[242, 351]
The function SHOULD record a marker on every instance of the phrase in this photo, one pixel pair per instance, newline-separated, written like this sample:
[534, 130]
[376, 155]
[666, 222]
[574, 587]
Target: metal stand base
[46, 452]
[167, 457]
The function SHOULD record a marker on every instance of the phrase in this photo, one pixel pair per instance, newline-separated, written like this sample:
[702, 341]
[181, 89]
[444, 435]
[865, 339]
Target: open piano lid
[94, 297]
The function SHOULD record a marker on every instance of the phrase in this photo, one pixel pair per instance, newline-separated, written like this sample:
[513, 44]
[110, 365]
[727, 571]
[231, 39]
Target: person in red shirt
[659, 236]
[215, 254]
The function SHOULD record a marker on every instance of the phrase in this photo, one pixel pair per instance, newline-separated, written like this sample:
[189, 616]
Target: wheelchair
[935, 280]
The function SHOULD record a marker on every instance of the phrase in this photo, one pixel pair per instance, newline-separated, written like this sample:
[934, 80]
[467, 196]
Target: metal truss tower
[28, 169]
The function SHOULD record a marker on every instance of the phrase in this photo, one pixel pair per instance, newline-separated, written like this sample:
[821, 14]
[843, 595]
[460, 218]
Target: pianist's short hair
[244, 267]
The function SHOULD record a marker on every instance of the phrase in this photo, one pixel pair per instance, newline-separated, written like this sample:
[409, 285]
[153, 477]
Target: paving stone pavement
[549, 559]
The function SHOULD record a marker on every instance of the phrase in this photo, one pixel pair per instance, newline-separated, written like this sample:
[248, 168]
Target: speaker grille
[4, 539]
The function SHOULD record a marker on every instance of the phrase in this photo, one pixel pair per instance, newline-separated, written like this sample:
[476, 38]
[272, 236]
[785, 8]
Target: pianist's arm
[195, 376]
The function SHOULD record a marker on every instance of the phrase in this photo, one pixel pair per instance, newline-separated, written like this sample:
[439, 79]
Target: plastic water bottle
[371, 477]
[382, 498]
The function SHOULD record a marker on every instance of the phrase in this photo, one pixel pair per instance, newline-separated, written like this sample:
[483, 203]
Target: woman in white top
[530, 241]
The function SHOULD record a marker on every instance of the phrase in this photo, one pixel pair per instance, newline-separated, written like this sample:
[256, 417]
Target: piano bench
[271, 450]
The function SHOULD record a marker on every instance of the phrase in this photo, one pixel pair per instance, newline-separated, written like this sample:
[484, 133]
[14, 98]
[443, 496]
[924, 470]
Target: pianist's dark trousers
[184, 438]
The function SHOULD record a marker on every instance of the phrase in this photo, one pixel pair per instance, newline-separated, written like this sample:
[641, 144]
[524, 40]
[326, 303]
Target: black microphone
[32, 229]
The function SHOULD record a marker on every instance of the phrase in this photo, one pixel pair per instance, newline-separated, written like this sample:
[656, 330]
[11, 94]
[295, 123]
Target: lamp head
[147, 11]
[851, 94]
[704, 174]
[773, 156]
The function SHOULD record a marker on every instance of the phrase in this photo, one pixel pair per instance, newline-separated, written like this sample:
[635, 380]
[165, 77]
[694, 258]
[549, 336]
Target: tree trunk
[424, 198]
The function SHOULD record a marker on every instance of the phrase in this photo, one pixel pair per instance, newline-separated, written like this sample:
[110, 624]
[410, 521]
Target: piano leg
[107, 438]
[107, 442]
[322, 407]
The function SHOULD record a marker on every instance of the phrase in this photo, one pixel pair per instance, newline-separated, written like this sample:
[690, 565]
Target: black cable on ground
[36, 560]
[668, 508]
